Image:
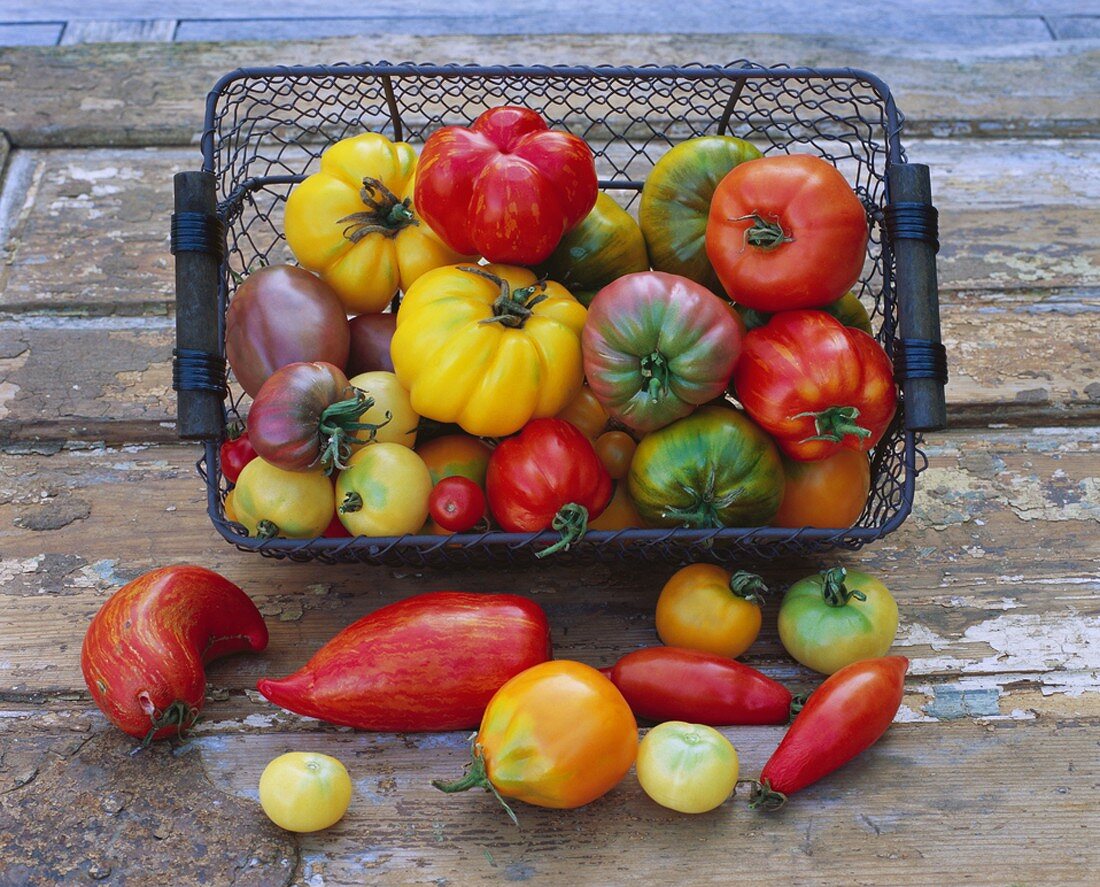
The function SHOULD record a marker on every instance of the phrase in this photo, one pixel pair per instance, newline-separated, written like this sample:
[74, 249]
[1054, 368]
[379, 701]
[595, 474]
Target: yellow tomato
[384, 491]
[227, 506]
[690, 768]
[269, 501]
[620, 513]
[389, 397]
[305, 791]
[704, 608]
[488, 348]
[353, 223]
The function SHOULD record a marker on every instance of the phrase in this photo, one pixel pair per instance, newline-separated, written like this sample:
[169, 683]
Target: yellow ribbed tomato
[353, 223]
[488, 347]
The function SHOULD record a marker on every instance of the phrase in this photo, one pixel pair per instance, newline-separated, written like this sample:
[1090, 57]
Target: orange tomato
[586, 413]
[557, 735]
[830, 493]
[616, 449]
[620, 512]
[702, 607]
[461, 455]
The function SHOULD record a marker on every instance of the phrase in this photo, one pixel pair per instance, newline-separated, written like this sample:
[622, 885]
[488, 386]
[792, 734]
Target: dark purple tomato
[280, 315]
[370, 343]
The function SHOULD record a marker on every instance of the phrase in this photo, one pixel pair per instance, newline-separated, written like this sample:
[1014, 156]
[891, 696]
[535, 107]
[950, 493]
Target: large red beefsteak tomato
[507, 187]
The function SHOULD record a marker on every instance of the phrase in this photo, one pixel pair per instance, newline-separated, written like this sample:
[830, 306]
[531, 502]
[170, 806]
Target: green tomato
[305, 791]
[714, 468]
[836, 618]
[689, 768]
[606, 245]
[675, 204]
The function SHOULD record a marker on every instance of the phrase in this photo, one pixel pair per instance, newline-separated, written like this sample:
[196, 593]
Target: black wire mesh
[265, 131]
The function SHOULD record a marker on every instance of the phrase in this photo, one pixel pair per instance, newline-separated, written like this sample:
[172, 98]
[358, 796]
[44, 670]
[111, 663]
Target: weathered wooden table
[991, 774]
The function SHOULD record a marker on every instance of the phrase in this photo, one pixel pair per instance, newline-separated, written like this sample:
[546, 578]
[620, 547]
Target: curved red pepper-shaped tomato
[508, 187]
[678, 684]
[786, 232]
[816, 385]
[548, 475]
[144, 652]
[843, 717]
[429, 662]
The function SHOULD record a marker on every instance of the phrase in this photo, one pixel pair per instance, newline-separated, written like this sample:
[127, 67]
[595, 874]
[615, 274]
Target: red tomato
[336, 529]
[830, 493]
[816, 385]
[506, 187]
[235, 454]
[786, 232]
[547, 476]
[842, 718]
[456, 504]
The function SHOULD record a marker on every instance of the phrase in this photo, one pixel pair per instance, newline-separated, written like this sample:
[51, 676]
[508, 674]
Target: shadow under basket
[264, 132]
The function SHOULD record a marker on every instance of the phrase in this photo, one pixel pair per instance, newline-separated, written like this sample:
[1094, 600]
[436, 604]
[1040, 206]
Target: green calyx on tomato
[476, 776]
[764, 235]
[834, 423]
[512, 308]
[338, 425]
[387, 214]
[748, 586]
[835, 591]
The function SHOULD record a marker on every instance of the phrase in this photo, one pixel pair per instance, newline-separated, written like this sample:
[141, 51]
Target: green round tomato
[606, 245]
[848, 309]
[690, 768]
[714, 468]
[676, 203]
[836, 618]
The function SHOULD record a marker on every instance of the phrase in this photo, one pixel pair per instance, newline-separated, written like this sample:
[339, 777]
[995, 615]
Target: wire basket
[266, 128]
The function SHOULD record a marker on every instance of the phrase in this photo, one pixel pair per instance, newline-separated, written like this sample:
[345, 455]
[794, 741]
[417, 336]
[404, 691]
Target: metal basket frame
[256, 144]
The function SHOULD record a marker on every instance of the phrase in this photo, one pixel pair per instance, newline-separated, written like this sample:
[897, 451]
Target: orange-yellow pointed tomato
[488, 348]
[556, 735]
[704, 608]
[353, 223]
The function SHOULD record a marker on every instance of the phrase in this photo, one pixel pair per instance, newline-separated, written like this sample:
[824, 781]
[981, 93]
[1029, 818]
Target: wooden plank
[83, 95]
[1074, 27]
[995, 574]
[30, 34]
[159, 30]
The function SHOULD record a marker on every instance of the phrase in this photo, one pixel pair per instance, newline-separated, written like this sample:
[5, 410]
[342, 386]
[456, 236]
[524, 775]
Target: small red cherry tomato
[235, 454]
[456, 504]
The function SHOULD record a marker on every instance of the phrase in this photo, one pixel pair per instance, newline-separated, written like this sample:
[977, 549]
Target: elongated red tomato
[507, 187]
[548, 475]
[843, 717]
[430, 662]
[816, 385]
[144, 651]
[678, 684]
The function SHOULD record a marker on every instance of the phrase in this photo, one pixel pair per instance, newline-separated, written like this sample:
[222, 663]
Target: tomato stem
[266, 529]
[179, 715]
[511, 308]
[572, 522]
[387, 214]
[748, 586]
[654, 368]
[763, 234]
[798, 703]
[835, 590]
[338, 423]
[475, 776]
[763, 797]
[703, 512]
[834, 423]
[352, 502]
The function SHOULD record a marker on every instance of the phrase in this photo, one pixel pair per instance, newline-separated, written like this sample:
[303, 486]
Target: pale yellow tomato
[384, 491]
[690, 768]
[389, 399]
[305, 791]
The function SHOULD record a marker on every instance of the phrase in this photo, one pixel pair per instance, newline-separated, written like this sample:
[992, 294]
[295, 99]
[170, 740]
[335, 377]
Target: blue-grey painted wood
[30, 34]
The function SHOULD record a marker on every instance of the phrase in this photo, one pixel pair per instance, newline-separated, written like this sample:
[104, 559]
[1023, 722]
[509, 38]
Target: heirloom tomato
[384, 491]
[837, 617]
[816, 385]
[371, 335]
[235, 453]
[507, 187]
[676, 203]
[829, 493]
[786, 232]
[703, 607]
[353, 223]
[547, 476]
[457, 504]
[656, 346]
[269, 501]
[488, 347]
[616, 449]
[279, 315]
[456, 455]
[620, 513]
[843, 717]
[587, 413]
[391, 411]
[689, 768]
[556, 735]
[715, 468]
[305, 791]
[848, 309]
[606, 245]
[227, 507]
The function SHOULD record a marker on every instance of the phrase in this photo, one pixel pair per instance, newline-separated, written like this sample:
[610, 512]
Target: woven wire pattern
[267, 128]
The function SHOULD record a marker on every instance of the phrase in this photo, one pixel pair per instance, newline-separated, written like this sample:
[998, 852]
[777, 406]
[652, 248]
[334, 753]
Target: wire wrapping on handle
[194, 370]
[909, 220]
[920, 359]
[194, 232]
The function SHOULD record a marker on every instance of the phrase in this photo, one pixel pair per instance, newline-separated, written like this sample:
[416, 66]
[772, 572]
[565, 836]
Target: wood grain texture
[123, 94]
[159, 30]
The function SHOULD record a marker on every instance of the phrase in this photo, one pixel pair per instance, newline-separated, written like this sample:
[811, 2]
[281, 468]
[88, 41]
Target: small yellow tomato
[384, 491]
[389, 398]
[305, 791]
[690, 768]
[703, 607]
[269, 501]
